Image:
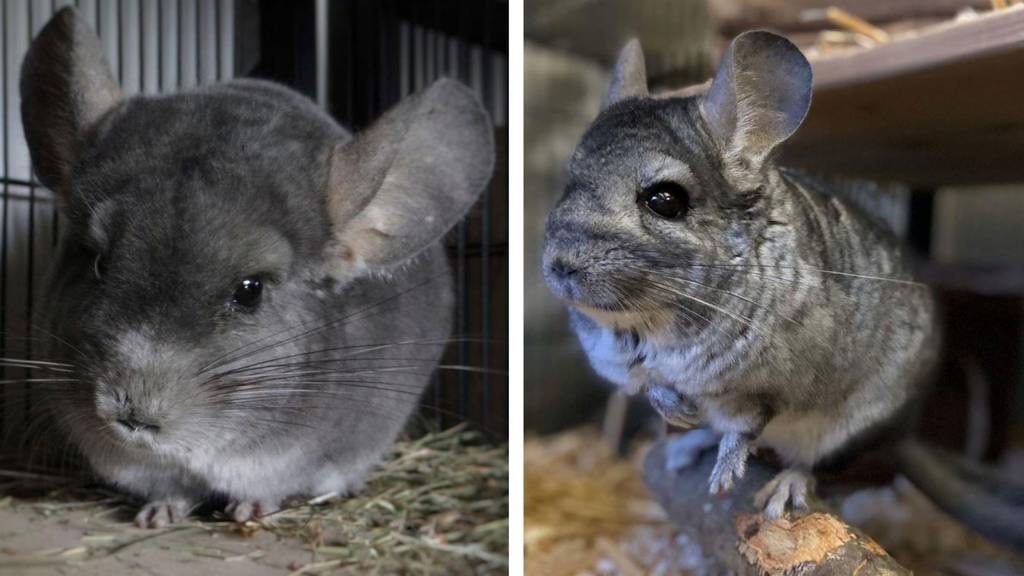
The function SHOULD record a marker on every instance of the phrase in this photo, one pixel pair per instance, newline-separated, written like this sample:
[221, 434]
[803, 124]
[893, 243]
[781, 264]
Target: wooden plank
[735, 16]
[941, 108]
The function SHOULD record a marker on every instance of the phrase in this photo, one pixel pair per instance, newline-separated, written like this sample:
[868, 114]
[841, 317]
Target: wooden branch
[737, 539]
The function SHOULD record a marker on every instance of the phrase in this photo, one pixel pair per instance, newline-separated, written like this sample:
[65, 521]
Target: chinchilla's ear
[401, 184]
[66, 86]
[629, 77]
[759, 96]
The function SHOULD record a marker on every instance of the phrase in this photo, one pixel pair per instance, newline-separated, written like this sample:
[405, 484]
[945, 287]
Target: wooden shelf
[944, 107]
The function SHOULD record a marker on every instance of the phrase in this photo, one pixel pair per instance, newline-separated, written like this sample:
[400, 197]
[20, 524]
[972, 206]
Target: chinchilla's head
[660, 188]
[205, 227]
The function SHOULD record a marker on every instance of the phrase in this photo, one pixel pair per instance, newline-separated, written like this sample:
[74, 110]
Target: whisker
[813, 269]
[330, 323]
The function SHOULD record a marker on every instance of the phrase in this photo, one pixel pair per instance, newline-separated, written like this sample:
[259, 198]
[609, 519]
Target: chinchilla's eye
[99, 266]
[248, 291]
[666, 199]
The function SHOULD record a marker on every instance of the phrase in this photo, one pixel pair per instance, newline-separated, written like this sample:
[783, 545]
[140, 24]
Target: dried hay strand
[438, 504]
[587, 511]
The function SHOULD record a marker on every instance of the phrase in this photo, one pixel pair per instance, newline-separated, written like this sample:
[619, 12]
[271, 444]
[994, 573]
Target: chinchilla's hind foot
[791, 486]
[684, 450]
[242, 511]
[160, 513]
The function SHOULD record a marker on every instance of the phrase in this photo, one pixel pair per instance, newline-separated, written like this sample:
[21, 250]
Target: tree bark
[736, 538]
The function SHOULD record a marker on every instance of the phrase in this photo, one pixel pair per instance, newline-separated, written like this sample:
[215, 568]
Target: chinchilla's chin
[643, 321]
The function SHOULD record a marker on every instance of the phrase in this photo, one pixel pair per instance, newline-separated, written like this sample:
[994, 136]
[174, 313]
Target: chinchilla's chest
[701, 368]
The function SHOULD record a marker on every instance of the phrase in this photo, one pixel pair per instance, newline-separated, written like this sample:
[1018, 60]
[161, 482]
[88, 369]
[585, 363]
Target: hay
[587, 511]
[437, 505]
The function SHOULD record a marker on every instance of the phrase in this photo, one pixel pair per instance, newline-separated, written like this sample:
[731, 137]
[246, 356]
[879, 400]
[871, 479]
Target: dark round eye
[99, 266]
[248, 291]
[666, 199]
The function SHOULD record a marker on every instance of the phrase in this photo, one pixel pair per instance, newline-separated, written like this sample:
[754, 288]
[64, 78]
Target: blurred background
[916, 116]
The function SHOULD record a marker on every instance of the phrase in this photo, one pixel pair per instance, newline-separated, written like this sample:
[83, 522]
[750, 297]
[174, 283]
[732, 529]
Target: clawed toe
[731, 464]
[242, 511]
[160, 513]
[725, 474]
[788, 487]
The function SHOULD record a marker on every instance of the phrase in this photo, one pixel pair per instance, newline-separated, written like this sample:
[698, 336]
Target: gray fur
[787, 317]
[168, 202]
[758, 98]
[629, 77]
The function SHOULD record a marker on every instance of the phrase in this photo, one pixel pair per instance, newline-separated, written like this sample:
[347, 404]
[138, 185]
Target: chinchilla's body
[247, 300]
[756, 332]
[739, 295]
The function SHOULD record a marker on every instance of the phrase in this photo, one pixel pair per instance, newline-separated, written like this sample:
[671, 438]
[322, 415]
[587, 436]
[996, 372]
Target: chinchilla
[740, 295]
[247, 300]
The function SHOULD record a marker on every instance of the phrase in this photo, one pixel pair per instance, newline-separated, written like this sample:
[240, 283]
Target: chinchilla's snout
[574, 271]
[145, 388]
[133, 412]
[564, 268]
[562, 275]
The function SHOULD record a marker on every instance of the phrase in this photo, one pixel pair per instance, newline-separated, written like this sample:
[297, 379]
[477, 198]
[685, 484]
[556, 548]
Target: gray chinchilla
[247, 301]
[738, 294]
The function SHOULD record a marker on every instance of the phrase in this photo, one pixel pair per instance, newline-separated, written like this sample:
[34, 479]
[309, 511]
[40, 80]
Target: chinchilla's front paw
[731, 464]
[245, 510]
[160, 513]
[673, 407]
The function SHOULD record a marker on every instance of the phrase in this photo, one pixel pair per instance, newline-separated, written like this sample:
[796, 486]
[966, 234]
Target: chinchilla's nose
[133, 424]
[561, 269]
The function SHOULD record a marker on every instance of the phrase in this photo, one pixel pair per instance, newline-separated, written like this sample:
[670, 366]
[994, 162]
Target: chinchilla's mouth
[645, 321]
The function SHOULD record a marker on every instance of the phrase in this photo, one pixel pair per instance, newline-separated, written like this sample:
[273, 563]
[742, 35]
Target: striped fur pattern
[784, 315]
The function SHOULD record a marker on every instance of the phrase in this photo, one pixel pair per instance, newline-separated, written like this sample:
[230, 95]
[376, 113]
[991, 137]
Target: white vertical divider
[88, 9]
[3, 90]
[130, 46]
[16, 37]
[321, 53]
[207, 42]
[226, 37]
[149, 24]
[187, 43]
[107, 26]
[41, 12]
[169, 45]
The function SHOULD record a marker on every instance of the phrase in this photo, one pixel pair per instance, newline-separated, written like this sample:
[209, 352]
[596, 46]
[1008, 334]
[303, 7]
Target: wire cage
[356, 58]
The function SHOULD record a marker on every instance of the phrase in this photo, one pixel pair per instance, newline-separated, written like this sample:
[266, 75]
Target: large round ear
[629, 77]
[759, 96]
[66, 86]
[401, 184]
